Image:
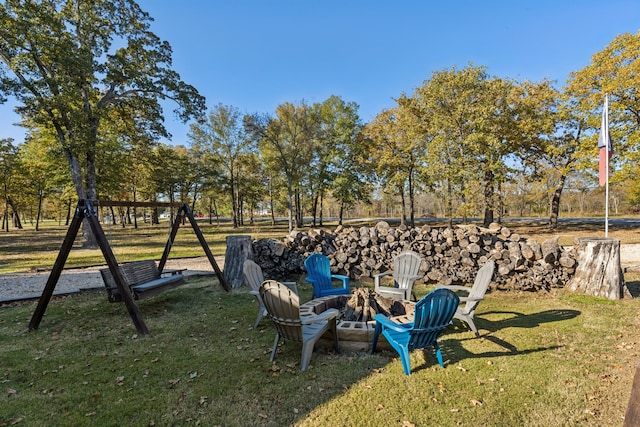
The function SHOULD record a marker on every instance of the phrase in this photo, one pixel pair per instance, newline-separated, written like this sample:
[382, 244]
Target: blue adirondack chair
[432, 314]
[319, 275]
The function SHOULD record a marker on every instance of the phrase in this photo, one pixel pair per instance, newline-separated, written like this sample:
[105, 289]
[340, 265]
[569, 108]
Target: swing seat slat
[143, 278]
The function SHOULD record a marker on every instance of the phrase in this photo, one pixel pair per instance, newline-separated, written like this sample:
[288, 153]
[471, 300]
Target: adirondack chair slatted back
[432, 314]
[406, 270]
[406, 266]
[253, 274]
[319, 269]
[479, 288]
[283, 307]
[319, 275]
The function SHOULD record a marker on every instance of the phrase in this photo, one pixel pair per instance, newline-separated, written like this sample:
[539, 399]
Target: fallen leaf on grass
[408, 424]
[11, 391]
[476, 402]
[203, 400]
[16, 421]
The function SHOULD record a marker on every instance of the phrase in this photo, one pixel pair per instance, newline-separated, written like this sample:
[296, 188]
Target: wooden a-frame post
[185, 210]
[85, 210]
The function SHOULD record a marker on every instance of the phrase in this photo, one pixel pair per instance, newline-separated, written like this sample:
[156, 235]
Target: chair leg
[438, 354]
[406, 359]
[376, 333]
[307, 350]
[334, 332]
[472, 325]
[261, 314]
[468, 319]
[275, 348]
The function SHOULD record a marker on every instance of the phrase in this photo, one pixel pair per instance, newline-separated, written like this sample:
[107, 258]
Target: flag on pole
[604, 144]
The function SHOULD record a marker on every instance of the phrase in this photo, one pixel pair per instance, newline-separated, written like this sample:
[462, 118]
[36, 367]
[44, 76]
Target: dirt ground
[20, 286]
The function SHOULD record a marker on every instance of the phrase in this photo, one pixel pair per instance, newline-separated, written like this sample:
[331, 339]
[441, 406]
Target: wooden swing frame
[86, 211]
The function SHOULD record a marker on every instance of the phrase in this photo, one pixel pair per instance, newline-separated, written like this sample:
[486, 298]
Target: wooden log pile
[449, 255]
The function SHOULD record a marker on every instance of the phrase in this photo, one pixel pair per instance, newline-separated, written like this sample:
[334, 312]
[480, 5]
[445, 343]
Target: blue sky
[255, 55]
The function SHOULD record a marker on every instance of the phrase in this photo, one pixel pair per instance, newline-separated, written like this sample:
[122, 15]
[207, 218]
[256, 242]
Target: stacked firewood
[449, 255]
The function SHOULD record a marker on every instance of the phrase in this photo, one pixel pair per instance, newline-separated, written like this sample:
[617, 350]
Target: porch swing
[129, 281]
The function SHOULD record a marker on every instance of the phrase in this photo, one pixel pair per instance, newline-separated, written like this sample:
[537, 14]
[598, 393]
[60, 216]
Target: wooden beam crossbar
[116, 203]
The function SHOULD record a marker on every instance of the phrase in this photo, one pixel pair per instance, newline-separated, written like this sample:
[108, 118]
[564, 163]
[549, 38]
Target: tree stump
[599, 272]
[238, 250]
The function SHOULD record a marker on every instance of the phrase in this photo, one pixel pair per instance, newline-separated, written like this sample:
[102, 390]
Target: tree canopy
[74, 65]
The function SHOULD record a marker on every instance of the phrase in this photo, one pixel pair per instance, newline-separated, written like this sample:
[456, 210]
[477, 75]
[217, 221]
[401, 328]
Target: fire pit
[355, 322]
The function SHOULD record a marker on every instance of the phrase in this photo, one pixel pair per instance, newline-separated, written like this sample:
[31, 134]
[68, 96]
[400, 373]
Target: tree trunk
[320, 216]
[314, 209]
[599, 272]
[488, 198]
[238, 250]
[555, 203]
[40, 197]
[412, 213]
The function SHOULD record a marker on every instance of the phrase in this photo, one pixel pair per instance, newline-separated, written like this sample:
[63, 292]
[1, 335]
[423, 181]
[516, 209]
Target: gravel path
[20, 286]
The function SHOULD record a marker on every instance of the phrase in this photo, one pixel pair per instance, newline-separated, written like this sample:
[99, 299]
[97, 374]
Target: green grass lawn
[543, 360]
[556, 359]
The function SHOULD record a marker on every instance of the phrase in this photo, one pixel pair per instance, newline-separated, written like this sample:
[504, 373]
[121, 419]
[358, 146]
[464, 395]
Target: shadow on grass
[520, 320]
[634, 288]
[454, 351]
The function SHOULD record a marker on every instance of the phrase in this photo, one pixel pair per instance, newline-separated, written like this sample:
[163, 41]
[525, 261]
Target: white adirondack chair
[475, 295]
[253, 275]
[406, 269]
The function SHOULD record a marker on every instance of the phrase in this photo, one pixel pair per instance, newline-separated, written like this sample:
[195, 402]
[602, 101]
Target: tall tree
[223, 140]
[71, 63]
[551, 134]
[40, 167]
[397, 151]
[613, 72]
[469, 119]
[337, 156]
[286, 143]
[8, 165]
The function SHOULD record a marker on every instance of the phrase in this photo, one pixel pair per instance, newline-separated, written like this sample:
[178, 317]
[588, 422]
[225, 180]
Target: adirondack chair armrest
[390, 324]
[455, 287]
[465, 299]
[345, 279]
[378, 277]
[309, 279]
[386, 273]
[291, 285]
[329, 314]
[254, 293]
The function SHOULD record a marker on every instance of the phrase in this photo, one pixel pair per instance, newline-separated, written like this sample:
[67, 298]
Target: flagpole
[606, 188]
